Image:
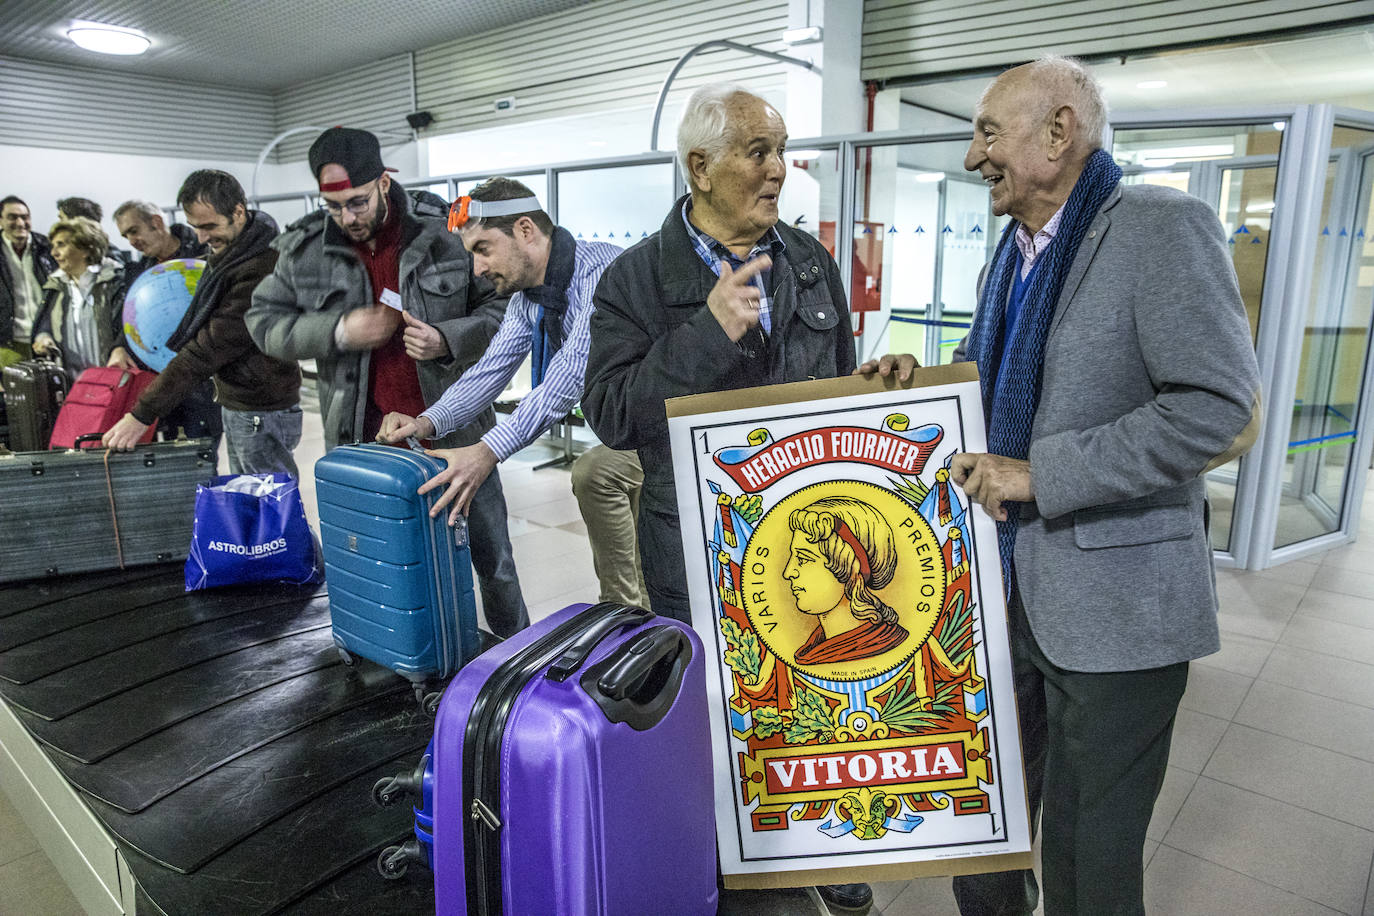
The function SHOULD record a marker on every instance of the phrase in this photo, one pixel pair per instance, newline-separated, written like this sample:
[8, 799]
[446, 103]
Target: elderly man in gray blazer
[1117, 369]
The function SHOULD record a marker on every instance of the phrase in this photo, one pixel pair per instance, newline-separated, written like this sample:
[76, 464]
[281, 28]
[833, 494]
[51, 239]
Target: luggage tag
[391, 299]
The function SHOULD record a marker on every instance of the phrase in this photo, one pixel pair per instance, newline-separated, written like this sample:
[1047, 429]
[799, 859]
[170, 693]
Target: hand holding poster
[863, 717]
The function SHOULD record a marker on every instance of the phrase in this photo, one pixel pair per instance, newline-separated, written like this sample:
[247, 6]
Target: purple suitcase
[572, 772]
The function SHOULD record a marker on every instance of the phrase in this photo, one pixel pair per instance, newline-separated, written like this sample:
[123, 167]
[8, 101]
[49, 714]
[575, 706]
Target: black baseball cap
[356, 151]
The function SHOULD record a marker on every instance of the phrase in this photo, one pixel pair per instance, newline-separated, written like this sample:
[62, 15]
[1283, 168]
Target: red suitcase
[99, 399]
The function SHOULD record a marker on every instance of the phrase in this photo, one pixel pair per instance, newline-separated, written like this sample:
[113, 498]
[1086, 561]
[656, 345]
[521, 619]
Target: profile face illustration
[842, 553]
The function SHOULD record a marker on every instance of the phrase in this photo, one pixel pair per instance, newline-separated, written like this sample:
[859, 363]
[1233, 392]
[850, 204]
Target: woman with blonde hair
[843, 554]
[83, 299]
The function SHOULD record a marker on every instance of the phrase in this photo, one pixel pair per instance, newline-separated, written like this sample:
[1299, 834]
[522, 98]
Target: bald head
[1044, 86]
[1034, 129]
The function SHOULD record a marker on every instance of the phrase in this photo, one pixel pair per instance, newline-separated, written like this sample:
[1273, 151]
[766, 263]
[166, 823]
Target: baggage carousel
[205, 753]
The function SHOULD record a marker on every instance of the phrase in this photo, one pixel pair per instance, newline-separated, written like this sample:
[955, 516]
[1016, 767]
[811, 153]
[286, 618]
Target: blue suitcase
[400, 582]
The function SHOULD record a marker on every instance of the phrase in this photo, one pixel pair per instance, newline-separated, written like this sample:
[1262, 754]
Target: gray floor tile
[32, 887]
[1339, 639]
[15, 839]
[1295, 850]
[1195, 737]
[1351, 609]
[1347, 581]
[1151, 847]
[1294, 572]
[1338, 678]
[555, 512]
[1358, 556]
[1369, 894]
[1177, 883]
[542, 543]
[924, 897]
[884, 892]
[1215, 691]
[1239, 654]
[1255, 620]
[1177, 784]
[1314, 778]
[1331, 724]
[1242, 590]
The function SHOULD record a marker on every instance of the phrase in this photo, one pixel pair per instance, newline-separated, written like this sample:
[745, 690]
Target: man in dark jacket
[382, 296]
[259, 394]
[723, 296]
[25, 262]
[143, 227]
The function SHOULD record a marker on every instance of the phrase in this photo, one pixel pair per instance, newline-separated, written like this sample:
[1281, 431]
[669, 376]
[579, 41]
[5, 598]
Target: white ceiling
[255, 44]
[1335, 68]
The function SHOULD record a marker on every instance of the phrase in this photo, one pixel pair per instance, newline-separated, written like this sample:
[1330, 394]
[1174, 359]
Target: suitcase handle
[636, 661]
[638, 683]
[576, 654]
[80, 441]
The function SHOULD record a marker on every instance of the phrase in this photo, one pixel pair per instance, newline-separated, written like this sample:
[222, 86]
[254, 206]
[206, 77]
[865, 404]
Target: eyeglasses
[356, 205]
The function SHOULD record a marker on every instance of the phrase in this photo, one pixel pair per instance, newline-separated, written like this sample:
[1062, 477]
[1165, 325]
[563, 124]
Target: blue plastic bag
[251, 528]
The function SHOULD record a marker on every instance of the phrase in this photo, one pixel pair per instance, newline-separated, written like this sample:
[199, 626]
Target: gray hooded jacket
[318, 279]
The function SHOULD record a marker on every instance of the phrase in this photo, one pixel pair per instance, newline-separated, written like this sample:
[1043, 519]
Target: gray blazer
[1150, 379]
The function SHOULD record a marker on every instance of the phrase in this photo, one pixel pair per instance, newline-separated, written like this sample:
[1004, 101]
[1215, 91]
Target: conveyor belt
[219, 738]
[155, 616]
[291, 858]
[93, 733]
[136, 777]
[77, 686]
[189, 827]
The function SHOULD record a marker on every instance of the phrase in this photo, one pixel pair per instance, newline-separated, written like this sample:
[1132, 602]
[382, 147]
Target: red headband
[843, 532]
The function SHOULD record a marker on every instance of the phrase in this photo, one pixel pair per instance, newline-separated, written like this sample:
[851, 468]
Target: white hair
[1066, 81]
[143, 208]
[705, 124]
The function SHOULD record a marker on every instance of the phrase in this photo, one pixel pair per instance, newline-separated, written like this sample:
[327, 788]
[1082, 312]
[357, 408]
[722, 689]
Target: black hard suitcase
[34, 391]
[69, 511]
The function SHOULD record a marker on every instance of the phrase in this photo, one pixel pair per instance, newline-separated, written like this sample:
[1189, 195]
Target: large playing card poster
[851, 603]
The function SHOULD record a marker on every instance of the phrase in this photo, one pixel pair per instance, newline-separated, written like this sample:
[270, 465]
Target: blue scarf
[552, 299]
[1011, 370]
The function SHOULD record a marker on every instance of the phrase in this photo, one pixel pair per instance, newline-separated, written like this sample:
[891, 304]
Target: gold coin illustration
[843, 580]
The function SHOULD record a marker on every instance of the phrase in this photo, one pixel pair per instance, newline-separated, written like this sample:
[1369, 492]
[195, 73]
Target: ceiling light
[929, 177]
[1263, 207]
[108, 39]
[1280, 125]
[803, 155]
[1151, 84]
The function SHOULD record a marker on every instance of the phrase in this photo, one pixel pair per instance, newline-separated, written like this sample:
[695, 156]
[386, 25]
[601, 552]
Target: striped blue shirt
[712, 252]
[561, 388]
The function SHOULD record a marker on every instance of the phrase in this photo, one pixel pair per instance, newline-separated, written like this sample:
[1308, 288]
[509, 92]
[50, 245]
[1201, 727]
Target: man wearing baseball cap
[375, 290]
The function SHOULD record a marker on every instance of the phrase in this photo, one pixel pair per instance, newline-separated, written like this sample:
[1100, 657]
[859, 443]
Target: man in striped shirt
[550, 278]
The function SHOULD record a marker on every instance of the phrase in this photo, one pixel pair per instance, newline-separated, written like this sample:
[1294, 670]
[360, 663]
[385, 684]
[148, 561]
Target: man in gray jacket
[377, 291]
[1117, 369]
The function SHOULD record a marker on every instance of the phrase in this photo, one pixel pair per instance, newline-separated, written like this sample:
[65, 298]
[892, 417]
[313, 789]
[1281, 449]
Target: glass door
[1234, 168]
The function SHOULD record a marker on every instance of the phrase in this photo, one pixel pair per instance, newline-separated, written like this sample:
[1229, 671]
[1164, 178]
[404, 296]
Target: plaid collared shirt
[713, 252]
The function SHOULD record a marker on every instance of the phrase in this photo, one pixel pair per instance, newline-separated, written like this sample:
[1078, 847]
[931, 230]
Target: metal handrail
[719, 44]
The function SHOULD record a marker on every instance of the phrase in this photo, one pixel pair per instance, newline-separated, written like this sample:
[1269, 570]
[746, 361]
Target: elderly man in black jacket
[723, 296]
[25, 262]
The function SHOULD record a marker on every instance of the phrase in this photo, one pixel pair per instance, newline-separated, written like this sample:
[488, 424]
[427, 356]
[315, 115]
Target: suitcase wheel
[386, 793]
[346, 657]
[393, 862]
[431, 702]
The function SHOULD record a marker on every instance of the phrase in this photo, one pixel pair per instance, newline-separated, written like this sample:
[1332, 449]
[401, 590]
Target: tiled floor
[1268, 805]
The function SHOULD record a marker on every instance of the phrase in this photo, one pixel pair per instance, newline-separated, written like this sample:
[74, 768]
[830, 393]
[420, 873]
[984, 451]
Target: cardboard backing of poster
[863, 717]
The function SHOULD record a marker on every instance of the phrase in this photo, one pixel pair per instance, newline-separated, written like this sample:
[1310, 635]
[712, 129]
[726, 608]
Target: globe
[154, 306]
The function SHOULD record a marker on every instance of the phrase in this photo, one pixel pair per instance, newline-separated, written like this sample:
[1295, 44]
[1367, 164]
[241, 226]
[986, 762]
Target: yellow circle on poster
[843, 580]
